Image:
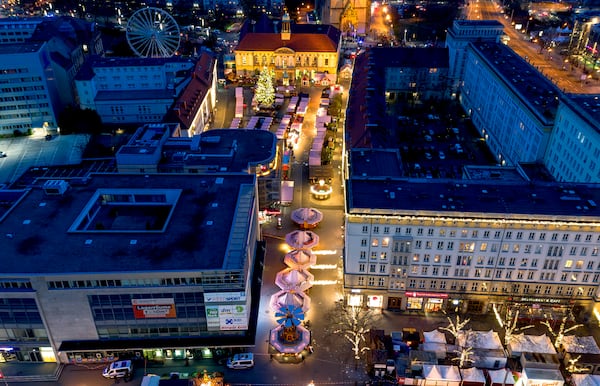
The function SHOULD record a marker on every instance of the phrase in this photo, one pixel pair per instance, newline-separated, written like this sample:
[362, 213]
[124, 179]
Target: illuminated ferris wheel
[152, 32]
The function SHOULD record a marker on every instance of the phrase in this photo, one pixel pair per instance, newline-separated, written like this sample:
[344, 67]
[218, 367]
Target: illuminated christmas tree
[265, 92]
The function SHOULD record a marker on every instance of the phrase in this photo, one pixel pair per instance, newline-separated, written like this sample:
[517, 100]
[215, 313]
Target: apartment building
[433, 245]
[144, 265]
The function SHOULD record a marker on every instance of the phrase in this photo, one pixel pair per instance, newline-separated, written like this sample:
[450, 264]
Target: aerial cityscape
[300, 193]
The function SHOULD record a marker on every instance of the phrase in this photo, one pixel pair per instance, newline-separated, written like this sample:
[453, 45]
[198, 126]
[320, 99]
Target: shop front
[425, 301]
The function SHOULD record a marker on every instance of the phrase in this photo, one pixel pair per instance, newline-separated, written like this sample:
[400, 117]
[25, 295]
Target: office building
[132, 90]
[512, 105]
[40, 58]
[458, 38]
[143, 265]
[495, 239]
[574, 147]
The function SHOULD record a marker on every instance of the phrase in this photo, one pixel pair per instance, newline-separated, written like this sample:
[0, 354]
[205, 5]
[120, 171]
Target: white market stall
[441, 375]
[500, 377]
[472, 377]
[542, 377]
[435, 341]
[530, 343]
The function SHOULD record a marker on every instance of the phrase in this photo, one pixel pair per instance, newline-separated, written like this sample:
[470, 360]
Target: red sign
[153, 308]
[425, 295]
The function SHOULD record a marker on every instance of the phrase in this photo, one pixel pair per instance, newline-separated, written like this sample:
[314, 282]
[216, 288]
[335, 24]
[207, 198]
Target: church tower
[286, 32]
[349, 16]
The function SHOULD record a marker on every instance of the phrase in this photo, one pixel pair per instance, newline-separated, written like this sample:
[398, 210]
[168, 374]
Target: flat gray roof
[587, 106]
[19, 48]
[375, 162]
[480, 198]
[203, 228]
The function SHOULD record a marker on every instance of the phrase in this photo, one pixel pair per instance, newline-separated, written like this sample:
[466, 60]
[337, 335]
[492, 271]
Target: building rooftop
[587, 106]
[130, 223]
[430, 57]
[20, 48]
[227, 149]
[533, 88]
[479, 198]
[375, 163]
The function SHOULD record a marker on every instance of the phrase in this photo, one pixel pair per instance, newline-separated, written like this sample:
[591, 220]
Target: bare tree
[353, 323]
[510, 324]
[465, 348]
[562, 329]
[455, 326]
[574, 368]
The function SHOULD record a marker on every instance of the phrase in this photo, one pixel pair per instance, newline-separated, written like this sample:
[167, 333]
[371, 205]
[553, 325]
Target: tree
[455, 326]
[562, 329]
[335, 105]
[265, 92]
[509, 323]
[353, 323]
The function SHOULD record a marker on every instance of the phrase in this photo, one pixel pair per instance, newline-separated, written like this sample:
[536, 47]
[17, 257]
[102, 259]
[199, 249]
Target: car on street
[428, 155]
[2, 154]
[442, 155]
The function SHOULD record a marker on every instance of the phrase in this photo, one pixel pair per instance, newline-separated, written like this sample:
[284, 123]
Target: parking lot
[438, 146]
[23, 153]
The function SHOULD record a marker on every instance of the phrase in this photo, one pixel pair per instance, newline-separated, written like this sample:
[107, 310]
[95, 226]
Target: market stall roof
[441, 372]
[472, 375]
[501, 377]
[434, 336]
[580, 344]
[479, 339]
[530, 343]
[585, 379]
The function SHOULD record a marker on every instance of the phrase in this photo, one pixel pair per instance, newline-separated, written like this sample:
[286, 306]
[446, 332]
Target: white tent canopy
[585, 379]
[521, 343]
[441, 373]
[434, 336]
[500, 377]
[472, 374]
[479, 339]
[580, 344]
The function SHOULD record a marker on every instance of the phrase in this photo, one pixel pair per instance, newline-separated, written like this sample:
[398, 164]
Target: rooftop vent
[55, 187]
[132, 242]
[88, 242]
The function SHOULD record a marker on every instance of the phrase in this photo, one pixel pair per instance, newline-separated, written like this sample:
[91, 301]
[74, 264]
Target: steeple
[286, 32]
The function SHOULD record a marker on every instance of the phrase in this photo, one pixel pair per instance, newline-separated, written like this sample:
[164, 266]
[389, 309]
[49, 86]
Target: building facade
[146, 266]
[459, 36]
[349, 16]
[471, 245]
[574, 147]
[510, 103]
[294, 53]
[132, 90]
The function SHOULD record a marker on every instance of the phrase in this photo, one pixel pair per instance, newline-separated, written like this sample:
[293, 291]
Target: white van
[150, 380]
[241, 361]
[119, 369]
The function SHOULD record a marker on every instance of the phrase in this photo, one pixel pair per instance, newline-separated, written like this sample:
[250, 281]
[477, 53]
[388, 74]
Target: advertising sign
[153, 308]
[224, 297]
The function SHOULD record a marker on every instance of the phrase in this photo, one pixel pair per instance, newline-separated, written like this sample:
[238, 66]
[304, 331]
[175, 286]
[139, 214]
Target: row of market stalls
[534, 360]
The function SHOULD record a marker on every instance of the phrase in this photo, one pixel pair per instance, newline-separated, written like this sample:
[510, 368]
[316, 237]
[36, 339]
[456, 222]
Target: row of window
[477, 286]
[21, 80]
[154, 331]
[475, 233]
[22, 89]
[229, 278]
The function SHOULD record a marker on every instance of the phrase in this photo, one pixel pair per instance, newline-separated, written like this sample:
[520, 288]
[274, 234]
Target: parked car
[442, 155]
[428, 155]
[428, 138]
[119, 369]
[2, 154]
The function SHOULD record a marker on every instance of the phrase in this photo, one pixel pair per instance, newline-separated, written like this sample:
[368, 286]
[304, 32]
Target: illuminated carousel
[289, 341]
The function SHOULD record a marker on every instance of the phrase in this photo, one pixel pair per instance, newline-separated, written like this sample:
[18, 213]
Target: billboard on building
[153, 308]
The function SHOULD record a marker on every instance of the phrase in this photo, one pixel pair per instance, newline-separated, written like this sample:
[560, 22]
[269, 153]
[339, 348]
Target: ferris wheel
[152, 32]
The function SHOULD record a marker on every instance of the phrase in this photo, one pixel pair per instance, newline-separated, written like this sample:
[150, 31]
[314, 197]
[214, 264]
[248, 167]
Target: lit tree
[562, 329]
[574, 368]
[353, 323]
[509, 323]
[455, 326]
[265, 92]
